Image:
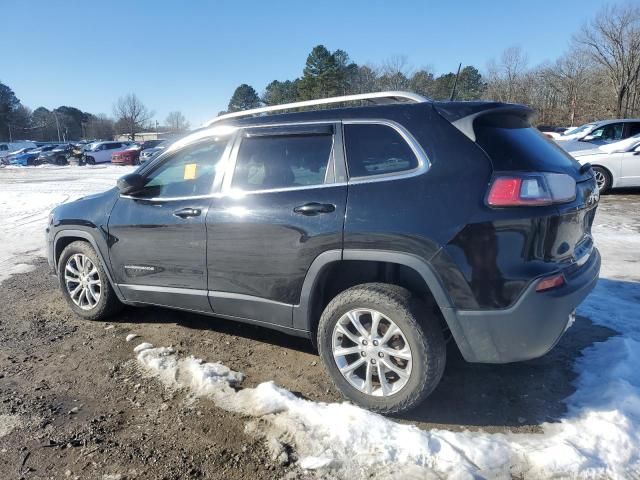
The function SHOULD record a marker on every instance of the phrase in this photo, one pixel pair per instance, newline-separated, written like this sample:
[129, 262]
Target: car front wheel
[84, 282]
[382, 348]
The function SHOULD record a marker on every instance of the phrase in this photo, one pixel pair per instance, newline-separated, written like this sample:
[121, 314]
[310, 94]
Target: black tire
[420, 327]
[108, 304]
[91, 161]
[606, 186]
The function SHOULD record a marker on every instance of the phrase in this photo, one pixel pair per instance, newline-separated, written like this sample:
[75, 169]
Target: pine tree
[278, 92]
[244, 98]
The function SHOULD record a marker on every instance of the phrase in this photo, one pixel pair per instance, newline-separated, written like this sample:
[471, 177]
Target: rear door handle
[314, 208]
[187, 212]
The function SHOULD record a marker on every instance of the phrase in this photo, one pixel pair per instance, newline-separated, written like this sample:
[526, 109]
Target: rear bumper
[531, 327]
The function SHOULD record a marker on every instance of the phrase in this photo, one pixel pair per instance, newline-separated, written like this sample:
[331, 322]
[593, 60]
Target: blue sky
[190, 55]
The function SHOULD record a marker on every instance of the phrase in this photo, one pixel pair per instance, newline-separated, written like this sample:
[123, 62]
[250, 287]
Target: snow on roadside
[27, 195]
[598, 438]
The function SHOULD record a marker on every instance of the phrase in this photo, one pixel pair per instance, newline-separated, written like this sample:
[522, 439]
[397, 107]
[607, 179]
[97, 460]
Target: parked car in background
[131, 156]
[551, 131]
[7, 160]
[100, 152]
[56, 156]
[30, 157]
[7, 148]
[615, 165]
[594, 134]
[149, 153]
[314, 224]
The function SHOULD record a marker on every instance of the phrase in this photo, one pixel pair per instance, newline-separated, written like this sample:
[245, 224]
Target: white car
[100, 152]
[615, 165]
[8, 148]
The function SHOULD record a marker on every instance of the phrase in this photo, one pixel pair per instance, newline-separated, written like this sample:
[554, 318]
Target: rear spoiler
[462, 115]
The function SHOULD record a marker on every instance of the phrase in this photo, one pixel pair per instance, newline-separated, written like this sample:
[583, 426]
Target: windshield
[580, 129]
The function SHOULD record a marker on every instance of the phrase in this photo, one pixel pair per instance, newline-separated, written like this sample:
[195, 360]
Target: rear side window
[374, 149]
[521, 148]
[634, 129]
[283, 161]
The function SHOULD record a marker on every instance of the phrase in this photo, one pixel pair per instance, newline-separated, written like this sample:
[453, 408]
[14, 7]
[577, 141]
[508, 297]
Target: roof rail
[375, 97]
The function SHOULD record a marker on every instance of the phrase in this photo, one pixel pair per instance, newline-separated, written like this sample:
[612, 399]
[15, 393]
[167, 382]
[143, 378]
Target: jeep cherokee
[378, 231]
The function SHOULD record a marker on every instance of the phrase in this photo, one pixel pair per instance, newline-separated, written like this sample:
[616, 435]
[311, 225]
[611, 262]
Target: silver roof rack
[375, 97]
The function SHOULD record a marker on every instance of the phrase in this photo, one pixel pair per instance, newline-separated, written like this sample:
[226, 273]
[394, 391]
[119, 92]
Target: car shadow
[492, 397]
[196, 321]
[512, 395]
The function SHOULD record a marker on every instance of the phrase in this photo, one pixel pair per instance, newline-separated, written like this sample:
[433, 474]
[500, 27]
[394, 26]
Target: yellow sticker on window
[190, 171]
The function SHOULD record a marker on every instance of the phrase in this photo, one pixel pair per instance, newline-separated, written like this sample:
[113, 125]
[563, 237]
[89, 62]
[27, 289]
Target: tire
[91, 161]
[603, 178]
[89, 307]
[420, 330]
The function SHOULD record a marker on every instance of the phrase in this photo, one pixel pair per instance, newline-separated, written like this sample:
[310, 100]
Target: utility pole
[156, 129]
[455, 83]
[57, 124]
[10, 140]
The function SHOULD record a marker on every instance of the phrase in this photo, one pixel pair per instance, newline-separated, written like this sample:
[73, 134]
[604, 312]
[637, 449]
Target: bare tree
[395, 73]
[506, 77]
[131, 114]
[176, 122]
[612, 39]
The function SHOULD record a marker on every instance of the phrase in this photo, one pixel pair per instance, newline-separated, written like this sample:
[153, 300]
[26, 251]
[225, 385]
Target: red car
[131, 156]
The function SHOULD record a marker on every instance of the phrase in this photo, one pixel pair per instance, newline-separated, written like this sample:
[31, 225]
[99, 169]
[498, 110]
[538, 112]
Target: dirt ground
[73, 403]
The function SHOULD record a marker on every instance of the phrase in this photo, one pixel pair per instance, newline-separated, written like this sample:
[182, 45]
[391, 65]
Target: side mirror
[130, 184]
[587, 138]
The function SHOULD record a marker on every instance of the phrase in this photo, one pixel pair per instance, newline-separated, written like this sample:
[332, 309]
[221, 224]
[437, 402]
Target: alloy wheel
[82, 280]
[601, 180]
[371, 352]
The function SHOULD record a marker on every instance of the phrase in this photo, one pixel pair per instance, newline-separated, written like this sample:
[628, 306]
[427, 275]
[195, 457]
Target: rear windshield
[522, 148]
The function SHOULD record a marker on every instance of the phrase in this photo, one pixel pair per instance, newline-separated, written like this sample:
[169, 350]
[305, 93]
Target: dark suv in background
[379, 232]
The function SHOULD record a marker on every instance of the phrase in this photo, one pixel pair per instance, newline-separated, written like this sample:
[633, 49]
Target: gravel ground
[73, 403]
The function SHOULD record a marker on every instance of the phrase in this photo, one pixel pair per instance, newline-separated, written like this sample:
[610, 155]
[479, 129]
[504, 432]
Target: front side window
[634, 129]
[189, 172]
[282, 161]
[374, 149]
[608, 132]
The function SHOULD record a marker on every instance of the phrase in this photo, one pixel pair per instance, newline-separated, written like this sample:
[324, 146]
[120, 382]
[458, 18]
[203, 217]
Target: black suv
[379, 232]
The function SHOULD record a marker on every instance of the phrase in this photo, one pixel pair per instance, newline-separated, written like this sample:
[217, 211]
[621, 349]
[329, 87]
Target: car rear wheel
[382, 348]
[603, 179]
[84, 282]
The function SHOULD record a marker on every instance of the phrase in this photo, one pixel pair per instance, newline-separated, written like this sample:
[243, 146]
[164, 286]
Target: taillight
[530, 189]
[550, 282]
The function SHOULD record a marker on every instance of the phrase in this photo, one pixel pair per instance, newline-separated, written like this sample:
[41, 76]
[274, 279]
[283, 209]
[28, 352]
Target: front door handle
[314, 208]
[187, 212]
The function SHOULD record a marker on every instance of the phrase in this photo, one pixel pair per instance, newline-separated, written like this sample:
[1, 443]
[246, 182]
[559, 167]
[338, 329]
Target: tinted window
[189, 172]
[521, 149]
[634, 128]
[282, 161]
[376, 149]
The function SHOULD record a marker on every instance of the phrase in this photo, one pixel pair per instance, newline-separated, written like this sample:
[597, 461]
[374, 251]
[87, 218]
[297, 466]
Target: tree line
[598, 77]
[65, 123]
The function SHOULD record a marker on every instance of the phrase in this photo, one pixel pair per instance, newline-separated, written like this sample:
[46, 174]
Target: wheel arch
[64, 238]
[307, 313]
[608, 171]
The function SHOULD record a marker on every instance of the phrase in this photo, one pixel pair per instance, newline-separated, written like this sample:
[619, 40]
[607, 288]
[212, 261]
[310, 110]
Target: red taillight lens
[531, 189]
[550, 282]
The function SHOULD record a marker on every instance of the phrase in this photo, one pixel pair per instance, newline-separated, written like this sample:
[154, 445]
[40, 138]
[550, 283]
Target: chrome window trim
[423, 161]
[230, 154]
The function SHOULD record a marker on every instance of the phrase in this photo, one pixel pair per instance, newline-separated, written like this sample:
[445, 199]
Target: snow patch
[8, 423]
[600, 436]
[131, 336]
